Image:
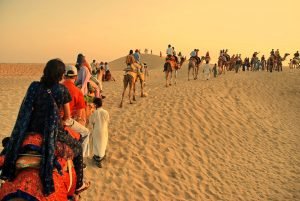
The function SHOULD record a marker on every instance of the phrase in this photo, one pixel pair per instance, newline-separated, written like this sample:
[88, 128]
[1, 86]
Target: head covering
[71, 71]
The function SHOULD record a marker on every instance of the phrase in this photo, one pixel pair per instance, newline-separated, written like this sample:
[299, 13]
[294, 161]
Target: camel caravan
[273, 63]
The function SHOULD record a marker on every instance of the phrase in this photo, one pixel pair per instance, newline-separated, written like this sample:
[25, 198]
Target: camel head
[182, 60]
[285, 56]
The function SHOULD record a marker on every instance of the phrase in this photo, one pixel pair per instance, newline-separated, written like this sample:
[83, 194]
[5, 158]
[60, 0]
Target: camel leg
[131, 84]
[188, 73]
[133, 88]
[171, 77]
[125, 86]
[167, 76]
[175, 77]
[142, 88]
[196, 73]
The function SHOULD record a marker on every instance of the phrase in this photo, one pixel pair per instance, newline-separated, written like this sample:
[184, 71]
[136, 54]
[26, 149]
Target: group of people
[133, 62]
[44, 155]
[254, 63]
[101, 70]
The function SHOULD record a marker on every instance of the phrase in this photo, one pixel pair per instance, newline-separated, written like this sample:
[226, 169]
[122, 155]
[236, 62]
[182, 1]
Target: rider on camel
[174, 55]
[255, 54]
[277, 54]
[194, 54]
[129, 61]
[137, 56]
[296, 55]
[226, 55]
[169, 53]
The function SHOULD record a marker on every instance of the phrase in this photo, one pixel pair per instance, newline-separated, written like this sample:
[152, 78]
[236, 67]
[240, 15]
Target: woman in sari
[39, 130]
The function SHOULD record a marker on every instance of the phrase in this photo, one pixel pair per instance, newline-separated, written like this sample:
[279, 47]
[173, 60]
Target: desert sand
[235, 137]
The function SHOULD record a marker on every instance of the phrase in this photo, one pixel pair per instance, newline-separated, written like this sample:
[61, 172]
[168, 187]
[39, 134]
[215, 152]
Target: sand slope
[230, 138]
[153, 61]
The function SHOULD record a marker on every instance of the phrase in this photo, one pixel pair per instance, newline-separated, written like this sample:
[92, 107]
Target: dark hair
[5, 141]
[53, 72]
[98, 102]
[131, 52]
[79, 61]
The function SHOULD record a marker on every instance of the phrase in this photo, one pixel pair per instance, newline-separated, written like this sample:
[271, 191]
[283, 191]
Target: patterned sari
[39, 114]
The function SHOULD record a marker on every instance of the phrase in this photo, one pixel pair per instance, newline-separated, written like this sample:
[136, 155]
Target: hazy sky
[37, 30]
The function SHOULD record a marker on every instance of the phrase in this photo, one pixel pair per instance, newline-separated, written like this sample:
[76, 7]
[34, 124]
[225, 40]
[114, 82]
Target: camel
[224, 63]
[255, 63]
[130, 78]
[295, 63]
[170, 66]
[276, 62]
[195, 67]
[221, 64]
[232, 62]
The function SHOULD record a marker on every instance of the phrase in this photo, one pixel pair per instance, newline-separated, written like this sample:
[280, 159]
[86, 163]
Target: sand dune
[234, 137]
[152, 61]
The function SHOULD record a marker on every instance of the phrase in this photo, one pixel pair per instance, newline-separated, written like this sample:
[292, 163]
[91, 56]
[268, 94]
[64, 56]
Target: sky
[34, 31]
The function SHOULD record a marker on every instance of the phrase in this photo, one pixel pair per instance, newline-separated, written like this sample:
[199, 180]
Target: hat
[71, 71]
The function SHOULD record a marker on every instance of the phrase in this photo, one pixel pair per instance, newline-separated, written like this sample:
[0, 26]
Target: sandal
[84, 187]
[98, 158]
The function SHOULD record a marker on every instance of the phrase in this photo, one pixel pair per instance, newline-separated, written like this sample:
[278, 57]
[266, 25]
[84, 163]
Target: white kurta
[99, 124]
[206, 71]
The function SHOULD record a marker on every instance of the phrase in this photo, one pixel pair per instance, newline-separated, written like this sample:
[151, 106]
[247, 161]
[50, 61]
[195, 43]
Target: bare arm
[67, 113]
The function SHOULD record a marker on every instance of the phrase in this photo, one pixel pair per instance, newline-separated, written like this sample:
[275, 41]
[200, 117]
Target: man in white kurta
[99, 124]
[206, 70]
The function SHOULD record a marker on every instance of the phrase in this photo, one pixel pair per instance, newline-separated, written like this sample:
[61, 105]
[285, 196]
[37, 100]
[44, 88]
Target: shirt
[169, 51]
[81, 75]
[193, 54]
[94, 66]
[77, 101]
[136, 56]
[206, 68]
[106, 67]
